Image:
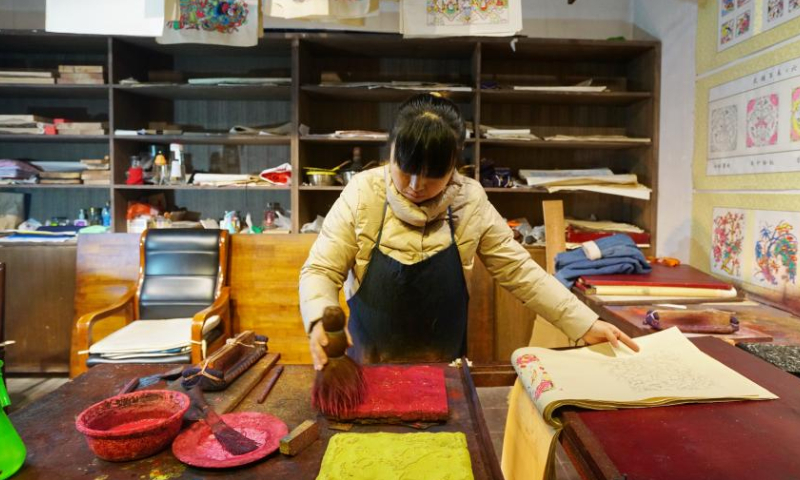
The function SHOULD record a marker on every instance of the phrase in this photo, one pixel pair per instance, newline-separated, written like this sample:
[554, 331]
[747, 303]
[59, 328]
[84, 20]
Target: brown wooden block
[301, 437]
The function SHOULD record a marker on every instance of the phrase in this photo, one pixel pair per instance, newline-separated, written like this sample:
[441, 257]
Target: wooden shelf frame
[631, 69]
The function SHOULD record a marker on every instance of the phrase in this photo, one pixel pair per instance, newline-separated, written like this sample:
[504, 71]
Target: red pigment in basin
[134, 425]
[198, 447]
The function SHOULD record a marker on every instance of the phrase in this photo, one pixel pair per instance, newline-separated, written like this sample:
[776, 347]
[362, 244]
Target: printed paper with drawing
[669, 370]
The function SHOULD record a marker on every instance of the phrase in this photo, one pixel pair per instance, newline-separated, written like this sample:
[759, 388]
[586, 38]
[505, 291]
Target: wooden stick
[300, 438]
[270, 383]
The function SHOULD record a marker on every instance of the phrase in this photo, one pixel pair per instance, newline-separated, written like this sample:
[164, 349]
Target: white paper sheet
[142, 18]
[432, 18]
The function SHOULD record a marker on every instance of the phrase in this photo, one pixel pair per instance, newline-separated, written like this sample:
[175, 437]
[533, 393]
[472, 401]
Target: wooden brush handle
[333, 322]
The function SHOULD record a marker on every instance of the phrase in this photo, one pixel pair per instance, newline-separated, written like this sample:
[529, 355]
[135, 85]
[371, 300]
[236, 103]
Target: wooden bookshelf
[630, 70]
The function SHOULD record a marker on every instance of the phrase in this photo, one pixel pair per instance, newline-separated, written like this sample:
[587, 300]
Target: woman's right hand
[317, 341]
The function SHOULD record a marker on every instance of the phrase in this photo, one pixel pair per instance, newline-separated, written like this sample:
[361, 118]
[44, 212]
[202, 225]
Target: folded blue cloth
[619, 255]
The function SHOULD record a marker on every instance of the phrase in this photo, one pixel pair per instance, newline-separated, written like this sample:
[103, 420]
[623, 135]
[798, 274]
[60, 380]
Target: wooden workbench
[57, 450]
[735, 440]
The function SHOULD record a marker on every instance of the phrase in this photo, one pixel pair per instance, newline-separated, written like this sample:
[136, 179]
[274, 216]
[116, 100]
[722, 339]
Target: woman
[404, 235]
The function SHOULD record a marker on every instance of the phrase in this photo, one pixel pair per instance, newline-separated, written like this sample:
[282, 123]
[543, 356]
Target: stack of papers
[150, 338]
[349, 134]
[598, 180]
[596, 138]
[25, 124]
[270, 130]
[223, 179]
[263, 81]
[508, 133]
[401, 85]
[26, 76]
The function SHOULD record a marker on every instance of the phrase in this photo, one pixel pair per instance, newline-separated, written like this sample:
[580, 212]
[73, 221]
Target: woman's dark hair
[428, 136]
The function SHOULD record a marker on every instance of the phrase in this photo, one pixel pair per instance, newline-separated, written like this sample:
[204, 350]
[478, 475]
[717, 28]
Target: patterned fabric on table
[396, 456]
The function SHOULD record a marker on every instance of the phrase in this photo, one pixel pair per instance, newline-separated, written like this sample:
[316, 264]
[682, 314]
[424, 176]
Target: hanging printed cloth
[321, 10]
[433, 18]
[233, 23]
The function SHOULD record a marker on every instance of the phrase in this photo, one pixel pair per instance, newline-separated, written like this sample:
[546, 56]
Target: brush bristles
[339, 388]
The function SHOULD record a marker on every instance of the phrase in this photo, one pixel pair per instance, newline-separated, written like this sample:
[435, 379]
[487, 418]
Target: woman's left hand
[601, 331]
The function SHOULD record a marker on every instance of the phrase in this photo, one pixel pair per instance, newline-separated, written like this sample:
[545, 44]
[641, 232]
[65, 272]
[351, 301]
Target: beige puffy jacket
[413, 232]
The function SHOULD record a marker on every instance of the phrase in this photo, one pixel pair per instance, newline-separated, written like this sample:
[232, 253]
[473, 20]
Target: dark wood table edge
[490, 458]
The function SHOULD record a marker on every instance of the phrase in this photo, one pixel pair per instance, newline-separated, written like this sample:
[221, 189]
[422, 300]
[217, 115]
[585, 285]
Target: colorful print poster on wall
[776, 12]
[775, 249]
[217, 22]
[727, 242]
[735, 22]
[795, 118]
[430, 18]
[754, 123]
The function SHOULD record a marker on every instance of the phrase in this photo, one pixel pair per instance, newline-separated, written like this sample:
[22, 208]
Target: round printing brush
[339, 386]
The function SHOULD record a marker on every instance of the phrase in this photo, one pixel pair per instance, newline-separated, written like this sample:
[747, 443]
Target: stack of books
[24, 76]
[60, 178]
[97, 171]
[663, 283]
[64, 127]
[26, 124]
[81, 75]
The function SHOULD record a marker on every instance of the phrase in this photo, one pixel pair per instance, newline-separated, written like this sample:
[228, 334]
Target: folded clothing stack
[609, 255]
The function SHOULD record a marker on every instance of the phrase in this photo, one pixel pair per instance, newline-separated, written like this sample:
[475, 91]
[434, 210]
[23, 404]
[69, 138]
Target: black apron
[410, 313]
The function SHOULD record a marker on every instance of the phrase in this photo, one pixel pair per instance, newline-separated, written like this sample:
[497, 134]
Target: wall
[674, 23]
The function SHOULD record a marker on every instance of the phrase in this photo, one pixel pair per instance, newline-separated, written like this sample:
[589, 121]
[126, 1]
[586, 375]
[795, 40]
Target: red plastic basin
[134, 425]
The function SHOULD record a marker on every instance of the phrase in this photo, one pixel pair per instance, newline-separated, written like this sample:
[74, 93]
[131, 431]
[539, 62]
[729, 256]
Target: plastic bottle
[177, 171]
[105, 214]
[12, 453]
[161, 170]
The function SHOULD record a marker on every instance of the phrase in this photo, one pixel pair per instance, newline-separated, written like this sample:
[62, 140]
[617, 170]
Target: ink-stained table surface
[57, 450]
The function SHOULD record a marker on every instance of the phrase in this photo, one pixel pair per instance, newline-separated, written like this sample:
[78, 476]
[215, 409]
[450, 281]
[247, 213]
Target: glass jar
[271, 215]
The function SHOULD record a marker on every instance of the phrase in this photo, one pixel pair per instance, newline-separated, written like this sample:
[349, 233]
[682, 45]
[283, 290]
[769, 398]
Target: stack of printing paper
[599, 180]
[81, 75]
[150, 339]
[26, 76]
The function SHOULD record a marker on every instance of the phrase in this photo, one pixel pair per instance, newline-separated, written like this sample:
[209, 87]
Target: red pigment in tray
[402, 394]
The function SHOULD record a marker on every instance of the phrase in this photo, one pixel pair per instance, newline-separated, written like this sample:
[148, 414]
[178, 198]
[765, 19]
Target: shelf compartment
[54, 138]
[363, 94]
[329, 188]
[201, 187]
[206, 140]
[36, 186]
[575, 145]
[564, 98]
[54, 91]
[209, 92]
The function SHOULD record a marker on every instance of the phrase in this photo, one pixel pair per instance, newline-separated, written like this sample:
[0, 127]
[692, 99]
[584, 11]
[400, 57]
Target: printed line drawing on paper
[762, 121]
[724, 127]
[657, 372]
